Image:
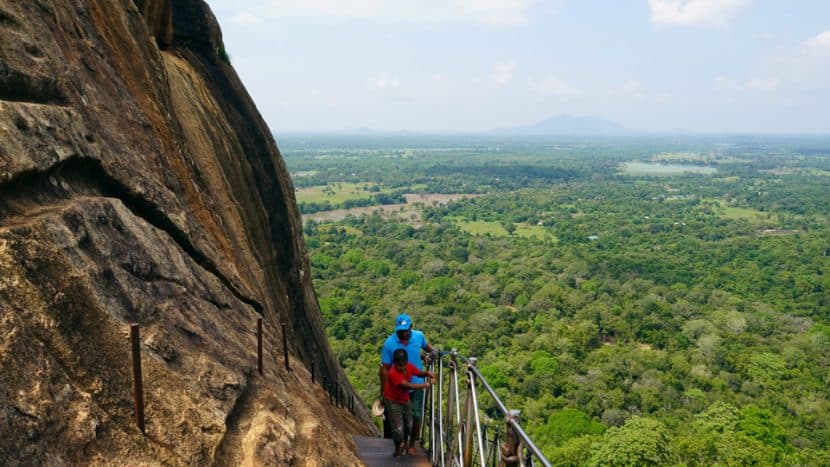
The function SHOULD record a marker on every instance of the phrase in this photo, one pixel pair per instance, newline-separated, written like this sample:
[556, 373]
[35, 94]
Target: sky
[707, 66]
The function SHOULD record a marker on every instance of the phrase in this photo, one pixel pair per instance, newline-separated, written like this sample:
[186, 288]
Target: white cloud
[552, 86]
[502, 73]
[695, 13]
[820, 42]
[439, 79]
[384, 81]
[246, 18]
[806, 64]
[762, 84]
[722, 82]
[633, 91]
[755, 83]
[489, 12]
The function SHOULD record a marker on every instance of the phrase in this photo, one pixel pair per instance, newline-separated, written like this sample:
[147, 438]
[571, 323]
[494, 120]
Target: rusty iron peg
[259, 345]
[138, 389]
[285, 348]
[326, 387]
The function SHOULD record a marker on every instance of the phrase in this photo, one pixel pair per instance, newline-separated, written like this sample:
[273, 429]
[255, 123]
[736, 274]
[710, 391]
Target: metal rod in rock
[259, 345]
[285, 348]
[138, 388]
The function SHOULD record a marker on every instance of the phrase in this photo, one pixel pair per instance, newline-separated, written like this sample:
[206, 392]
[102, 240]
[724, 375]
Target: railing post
[449, 435]
[495, 448]
[471, 375]
[259, 345]
[510, 455]
[439, 445]
[457, 405]
[138, 388]
[432, 432]
[467, 423]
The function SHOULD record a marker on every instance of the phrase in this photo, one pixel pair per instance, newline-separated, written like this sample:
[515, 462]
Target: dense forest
[644, 301]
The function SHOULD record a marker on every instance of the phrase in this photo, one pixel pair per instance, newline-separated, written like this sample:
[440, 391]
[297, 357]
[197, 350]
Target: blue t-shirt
[417, 341]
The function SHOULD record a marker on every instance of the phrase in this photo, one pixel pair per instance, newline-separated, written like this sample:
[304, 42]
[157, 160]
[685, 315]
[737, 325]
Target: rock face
[138, 183]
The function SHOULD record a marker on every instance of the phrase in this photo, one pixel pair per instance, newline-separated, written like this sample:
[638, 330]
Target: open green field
[498, 230]
[733, 213]
[819, 172]
[644, 168]
[724, 211]
[536, 231]
[336, 193]
[481, 227]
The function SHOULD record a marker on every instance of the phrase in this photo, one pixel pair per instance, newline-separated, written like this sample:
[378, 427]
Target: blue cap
[403, 322]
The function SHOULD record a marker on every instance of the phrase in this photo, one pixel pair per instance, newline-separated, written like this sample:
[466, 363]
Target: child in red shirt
[396, 396]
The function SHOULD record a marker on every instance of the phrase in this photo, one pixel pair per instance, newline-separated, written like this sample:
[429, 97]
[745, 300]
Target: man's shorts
[416, 401]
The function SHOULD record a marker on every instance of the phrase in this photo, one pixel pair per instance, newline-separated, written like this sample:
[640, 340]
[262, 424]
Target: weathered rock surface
[138, 183]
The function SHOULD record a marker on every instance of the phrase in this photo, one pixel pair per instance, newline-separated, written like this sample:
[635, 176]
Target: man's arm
[426, 345]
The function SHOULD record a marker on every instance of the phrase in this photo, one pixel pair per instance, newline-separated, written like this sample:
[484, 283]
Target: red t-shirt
[393, 390]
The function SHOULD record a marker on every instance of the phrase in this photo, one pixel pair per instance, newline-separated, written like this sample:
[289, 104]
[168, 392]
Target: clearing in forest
[725, 211]
[409, 212]
[336, 193]
[497, 229]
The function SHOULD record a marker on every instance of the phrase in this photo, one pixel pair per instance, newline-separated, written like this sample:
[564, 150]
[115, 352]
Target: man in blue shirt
[405, 337]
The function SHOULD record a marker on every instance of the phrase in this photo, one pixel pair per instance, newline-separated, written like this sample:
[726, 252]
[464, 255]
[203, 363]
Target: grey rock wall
[138, 183]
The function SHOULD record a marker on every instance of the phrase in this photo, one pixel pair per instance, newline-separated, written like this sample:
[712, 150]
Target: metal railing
[455, 435]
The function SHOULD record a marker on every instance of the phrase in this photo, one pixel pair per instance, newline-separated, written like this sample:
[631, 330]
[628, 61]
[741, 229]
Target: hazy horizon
[456, 67]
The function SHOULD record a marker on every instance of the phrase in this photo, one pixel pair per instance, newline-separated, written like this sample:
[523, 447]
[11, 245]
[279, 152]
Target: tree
[641, 441]
[569, 423]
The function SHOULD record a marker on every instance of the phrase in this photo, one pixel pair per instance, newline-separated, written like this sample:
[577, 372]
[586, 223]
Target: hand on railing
[432, 356]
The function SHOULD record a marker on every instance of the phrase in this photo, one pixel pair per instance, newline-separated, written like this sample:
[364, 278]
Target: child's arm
[426, 374]
[408, 385]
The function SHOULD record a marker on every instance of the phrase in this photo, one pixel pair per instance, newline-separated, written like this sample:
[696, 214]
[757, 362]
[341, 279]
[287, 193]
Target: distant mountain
[567, 125]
